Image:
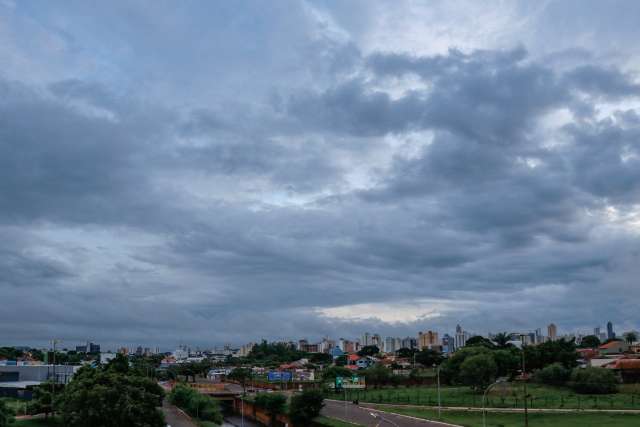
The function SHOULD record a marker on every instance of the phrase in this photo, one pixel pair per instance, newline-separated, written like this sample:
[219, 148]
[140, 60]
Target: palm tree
[502, 339]
[631, 337]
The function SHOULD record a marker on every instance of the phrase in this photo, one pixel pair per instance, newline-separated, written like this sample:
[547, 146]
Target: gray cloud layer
[223, 174]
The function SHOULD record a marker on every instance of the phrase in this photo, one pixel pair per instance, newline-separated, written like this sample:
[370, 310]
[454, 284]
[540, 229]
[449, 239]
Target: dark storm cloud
[224, 183]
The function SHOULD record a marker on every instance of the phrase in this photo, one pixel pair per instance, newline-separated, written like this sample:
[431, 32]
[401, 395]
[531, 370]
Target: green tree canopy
[630, 337]
[428, 357]
[369, 350]
[479, 340]
[305, 407]
[554, 374]
[99, 397]
[6, 417]
[593, 381]
[242, 375]
[502, 340]
[590, 341]
[559, 351]
[272, 403]
[478, 371]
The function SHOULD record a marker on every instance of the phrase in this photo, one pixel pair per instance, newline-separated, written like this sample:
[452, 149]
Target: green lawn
[474, 419]
[332, 422]
[34, 423]
[504, 396]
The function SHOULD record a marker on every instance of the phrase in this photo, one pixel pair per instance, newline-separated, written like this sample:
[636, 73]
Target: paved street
[175, 418]
[372, 418]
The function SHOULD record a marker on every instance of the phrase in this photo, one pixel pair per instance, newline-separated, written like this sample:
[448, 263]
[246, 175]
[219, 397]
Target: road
[373, 418]
[176, 418]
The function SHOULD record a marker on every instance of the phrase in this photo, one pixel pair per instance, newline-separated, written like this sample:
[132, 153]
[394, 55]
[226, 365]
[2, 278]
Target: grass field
[34, 423]
[504, 396]
[474, 419]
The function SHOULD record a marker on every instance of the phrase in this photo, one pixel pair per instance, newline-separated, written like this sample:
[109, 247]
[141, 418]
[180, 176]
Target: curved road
[373, 418]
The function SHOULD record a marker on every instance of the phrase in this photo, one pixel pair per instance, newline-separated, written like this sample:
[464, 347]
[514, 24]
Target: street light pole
[438, 382]
[484, 399]
[524, 383]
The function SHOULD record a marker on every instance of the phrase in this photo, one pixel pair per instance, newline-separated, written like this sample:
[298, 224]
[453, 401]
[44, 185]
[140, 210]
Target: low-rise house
[614, 347]
[628, 369]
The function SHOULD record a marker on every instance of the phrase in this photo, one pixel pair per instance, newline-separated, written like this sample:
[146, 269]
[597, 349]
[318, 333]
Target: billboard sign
[277, 376]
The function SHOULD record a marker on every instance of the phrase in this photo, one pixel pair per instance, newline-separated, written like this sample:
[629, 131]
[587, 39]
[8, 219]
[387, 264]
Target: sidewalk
[503, 410]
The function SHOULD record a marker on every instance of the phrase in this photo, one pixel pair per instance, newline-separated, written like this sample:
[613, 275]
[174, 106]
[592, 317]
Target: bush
[5, 414]
[554, 374]
[593, 381]
[305, 407]
[196, 404]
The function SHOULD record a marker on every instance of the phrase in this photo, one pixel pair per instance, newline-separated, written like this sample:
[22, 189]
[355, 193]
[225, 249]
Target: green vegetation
[332, 422]
[590, 341]
[305, 407]
[6, 414]
[478, 371]
[197, 405]
[272, 403]
[110, 396]
[554, 374]
[474, 419]
[242, 375]
[39, 422]
[507, 395]
[593, 381]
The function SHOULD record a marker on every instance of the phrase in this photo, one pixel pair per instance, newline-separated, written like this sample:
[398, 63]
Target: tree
[272, 403]
[406, 352]
[593, 381]
[6, 416]
[478, 371]
[558, 351]
[42, 399]
[242, 375]
[429, 357]
[377, 375]
[450, 368]
[590, 341]
[507, 361]
[478, 340]
[369, 350]
[305, 407]
[554, 374]
[335, 371]
[341, 360]
[502, 340]
[630, 337]
[100, 397]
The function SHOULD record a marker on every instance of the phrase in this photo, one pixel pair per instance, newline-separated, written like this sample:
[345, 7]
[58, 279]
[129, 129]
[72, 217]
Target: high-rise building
[448, 344]
[427, 339]
[610, 333]
[377, 341]
[409, 342]
[389, 345]
[461, 337]
[366, 339]
[552, 332]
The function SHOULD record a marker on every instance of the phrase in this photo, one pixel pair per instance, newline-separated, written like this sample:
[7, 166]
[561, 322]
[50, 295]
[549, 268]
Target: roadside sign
[277, 376]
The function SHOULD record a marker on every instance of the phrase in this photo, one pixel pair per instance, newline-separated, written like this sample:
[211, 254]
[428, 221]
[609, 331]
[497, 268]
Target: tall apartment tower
[610, 333]
[427, 339]
[461, 337]
[552, 332]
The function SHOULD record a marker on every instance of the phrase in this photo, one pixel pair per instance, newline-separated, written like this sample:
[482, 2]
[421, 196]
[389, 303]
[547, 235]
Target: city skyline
[220, 172]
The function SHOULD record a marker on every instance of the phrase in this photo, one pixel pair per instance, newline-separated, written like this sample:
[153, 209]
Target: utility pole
[54, 342]
[524, 383]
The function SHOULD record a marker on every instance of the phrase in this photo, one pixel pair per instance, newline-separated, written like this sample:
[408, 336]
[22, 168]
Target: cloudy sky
[212, 172]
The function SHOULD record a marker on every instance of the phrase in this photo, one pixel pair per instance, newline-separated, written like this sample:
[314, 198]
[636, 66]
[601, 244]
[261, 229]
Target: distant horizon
[204, 346]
